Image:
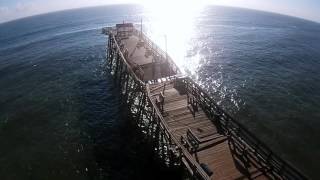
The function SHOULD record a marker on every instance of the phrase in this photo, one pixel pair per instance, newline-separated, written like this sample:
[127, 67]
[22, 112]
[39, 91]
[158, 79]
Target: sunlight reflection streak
[176, 21]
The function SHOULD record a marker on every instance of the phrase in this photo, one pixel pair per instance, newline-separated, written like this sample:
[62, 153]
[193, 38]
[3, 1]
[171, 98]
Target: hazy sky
[13, 9]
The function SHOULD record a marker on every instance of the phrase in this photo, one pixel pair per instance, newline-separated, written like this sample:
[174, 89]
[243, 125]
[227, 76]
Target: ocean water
[60, 116]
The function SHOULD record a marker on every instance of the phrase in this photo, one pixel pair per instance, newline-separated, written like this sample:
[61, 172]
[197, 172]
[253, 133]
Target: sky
[14, 9]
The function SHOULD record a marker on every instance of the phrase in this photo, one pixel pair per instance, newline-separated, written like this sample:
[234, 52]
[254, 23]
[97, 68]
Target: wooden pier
[186, 127]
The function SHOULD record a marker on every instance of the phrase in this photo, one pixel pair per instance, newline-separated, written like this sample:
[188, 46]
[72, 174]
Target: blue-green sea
[60, 114]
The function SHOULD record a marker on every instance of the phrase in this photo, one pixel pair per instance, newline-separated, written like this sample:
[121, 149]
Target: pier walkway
[215, 150]
[186, 126]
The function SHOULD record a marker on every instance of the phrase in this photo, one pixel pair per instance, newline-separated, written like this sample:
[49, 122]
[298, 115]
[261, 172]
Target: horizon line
[137, 4]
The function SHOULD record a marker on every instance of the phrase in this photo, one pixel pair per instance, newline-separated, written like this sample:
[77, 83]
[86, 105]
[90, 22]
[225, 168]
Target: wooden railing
[257, 150]
[130, 71]
[195, 167]
[196, 170]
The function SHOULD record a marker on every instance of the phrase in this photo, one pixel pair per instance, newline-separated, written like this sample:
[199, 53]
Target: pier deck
[187, 127]
[217, 152]
[140, 54]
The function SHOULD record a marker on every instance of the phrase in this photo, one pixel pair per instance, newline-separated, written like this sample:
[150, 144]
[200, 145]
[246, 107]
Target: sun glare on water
[174, 21]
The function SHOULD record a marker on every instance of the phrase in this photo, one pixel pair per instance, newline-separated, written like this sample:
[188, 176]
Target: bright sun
[175, 20]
